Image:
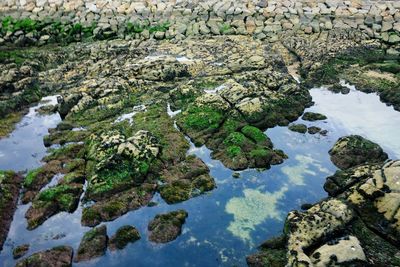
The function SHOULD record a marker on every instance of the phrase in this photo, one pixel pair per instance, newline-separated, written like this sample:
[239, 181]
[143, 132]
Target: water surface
[228, 223]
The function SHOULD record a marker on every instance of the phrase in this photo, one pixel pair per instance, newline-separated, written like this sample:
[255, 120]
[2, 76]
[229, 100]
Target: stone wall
[261, 18]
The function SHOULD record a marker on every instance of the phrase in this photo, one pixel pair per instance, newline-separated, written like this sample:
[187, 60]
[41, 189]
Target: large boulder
[353, 150]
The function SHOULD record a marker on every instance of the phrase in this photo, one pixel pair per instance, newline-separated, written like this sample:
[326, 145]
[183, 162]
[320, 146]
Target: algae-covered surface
[138, 129]
[223, 225]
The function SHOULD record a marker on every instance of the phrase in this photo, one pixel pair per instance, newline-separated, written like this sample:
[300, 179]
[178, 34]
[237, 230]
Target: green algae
[252, 209]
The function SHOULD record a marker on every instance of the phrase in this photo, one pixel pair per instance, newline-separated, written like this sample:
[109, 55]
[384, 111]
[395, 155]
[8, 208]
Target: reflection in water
[228, 223]
[252, 209]
[297, 173]
[24, 148]
[362, 114]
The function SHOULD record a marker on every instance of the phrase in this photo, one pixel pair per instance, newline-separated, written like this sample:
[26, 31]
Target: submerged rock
[20, 251]
[93, 244]
[124, 235]
[167, 227]
[55, 257]
[353, 150]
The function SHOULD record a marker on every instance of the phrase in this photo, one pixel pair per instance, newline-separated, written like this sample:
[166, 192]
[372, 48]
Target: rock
[313, 130]
[186, 179]
[303, 228]
[311, 116]
[355, 150]
[10, 184]
[338, 88]
[341, 251]
[167, 227]
[299, 128]
[124, 235]
[20, 251]
[55, 257]
[377, 200]
[93, 244]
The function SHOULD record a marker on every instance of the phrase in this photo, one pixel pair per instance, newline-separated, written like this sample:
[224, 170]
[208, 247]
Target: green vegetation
[235, 139]
[254, 133]
[233, 151]
[203, 118]
[31, 176]
[260, 153]
[65, 195]
[225, 28]
[140, 26]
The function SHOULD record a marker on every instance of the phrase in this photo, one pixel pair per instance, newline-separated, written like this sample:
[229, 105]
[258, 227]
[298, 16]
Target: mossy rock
[299, 128]
[353, 150]
[312, 116]
[20, 251]
[167, 227]
[93, 244]
[124, 235]
[60, 256]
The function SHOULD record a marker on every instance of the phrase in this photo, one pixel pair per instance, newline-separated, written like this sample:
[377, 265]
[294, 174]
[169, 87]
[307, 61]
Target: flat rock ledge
[358, 225]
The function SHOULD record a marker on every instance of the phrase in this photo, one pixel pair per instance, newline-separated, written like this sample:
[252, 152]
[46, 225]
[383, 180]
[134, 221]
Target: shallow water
[228, 223]
[24, 148]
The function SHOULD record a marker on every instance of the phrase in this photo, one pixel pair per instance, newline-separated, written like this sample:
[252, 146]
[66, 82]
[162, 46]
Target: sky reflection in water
[228, 223]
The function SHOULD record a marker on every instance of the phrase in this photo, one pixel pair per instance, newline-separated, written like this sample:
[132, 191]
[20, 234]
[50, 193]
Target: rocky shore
[132, 107]
[356, 226]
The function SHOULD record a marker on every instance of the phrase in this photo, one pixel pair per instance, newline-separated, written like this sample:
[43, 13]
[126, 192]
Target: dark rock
[355, 150]
[55, 257]
[167, 227]
[10, 184]
[299, 128]
[314, 130]
[338, 88]
[20, 251]
[186, 179]
[311, 116]
[93, 244]
[124, 235]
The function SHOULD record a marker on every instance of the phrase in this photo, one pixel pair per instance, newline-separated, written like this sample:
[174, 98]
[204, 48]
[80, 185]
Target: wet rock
[354, 150]
[313, 130]
[377, 199]
[113, 207]
[299, 128]
[167, 227]
[37, 178]
[344, 179]
[20, 251]
[93, 244]
[124, 235]
[343, 251]
[51, 201]
[186, 179]
[10, 184]
[118, 162]
[338, 88]
[57, 257]
[303, 228]
[311, 116]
